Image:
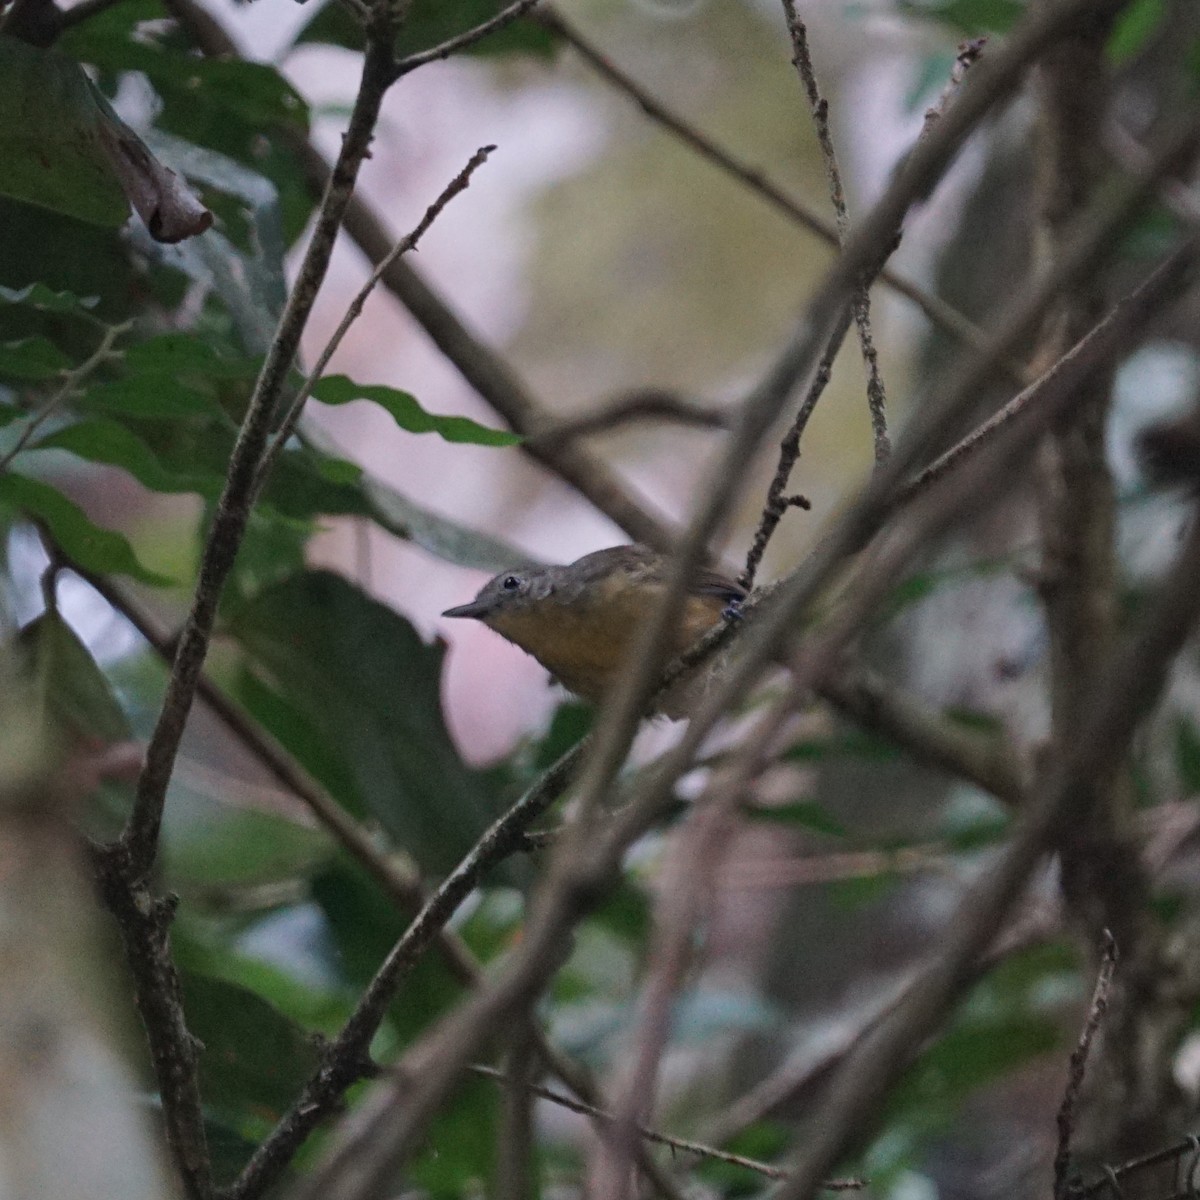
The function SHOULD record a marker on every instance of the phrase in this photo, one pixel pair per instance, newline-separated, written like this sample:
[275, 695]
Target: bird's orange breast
[582, 643]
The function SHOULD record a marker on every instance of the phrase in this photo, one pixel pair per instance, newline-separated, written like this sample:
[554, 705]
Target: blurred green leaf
[46, 299]
[460, 1147]
[32, 358]
[365, 925]
[186, 354]
[148, 395]
[361, 676]
[805, 814]
[101, 550]
[851, 743]
[51, 150]
[74, 694]
[408, 413]
[212, 840]
[625, 911]
[1134, 28]
[431, 22]
[76, 704]
[1187, 755]
[968, 17]
[254, 1059]
[252, 92]
[107, 442]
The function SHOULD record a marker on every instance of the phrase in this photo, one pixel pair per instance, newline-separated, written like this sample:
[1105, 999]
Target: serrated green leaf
[101, 550]
[45, 299]
[407, 412]
[32, 358]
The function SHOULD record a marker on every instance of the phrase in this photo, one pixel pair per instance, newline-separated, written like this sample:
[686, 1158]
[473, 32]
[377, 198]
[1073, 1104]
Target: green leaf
[147, 395]
[459, 1157]
[45, 299]
[440, 536]
[186, 354]
[967, 17]
[251, 92]
[806, 814]
[408, 413]
[214, 840]
[107, 442]
[365, 683]
[101, 550]
[365, 925]
[51, 149]
[1187, 755]
[1134, 28]
[77, 708]
[32, 358]
[74, 694]
[851, 743]
[431, 22]
[254, 1059]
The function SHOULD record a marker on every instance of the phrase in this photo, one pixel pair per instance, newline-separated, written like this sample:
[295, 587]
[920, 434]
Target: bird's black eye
[510, 583]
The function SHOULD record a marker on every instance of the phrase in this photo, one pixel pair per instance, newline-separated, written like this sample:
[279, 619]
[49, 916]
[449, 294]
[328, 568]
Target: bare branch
[699, 1149]
[506, 16]
[642, 404]
[819, 107]
[145, 921]
[409, 242]
[1079, 1059]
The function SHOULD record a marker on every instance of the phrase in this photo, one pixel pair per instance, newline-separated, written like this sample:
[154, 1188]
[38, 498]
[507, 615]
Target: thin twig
[409, 242]
[819, 107]
[462, 41]
[72, 380]
[663, 1139]
[968, 54]
[643, 404]
[1078, 1066]
[774, 506]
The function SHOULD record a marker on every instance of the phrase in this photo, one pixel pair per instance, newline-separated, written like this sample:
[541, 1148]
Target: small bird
[578, 620]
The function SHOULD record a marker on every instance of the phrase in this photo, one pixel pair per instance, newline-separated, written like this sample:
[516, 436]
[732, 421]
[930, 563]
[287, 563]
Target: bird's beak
[476, 610]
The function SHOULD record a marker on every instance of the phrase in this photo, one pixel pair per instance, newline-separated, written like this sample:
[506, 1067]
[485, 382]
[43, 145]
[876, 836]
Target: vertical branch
[861, 304]
[139, 841]
[1104, 884]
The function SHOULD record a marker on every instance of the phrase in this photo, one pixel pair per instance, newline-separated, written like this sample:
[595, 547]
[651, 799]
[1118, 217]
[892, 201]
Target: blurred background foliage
[603, 256]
